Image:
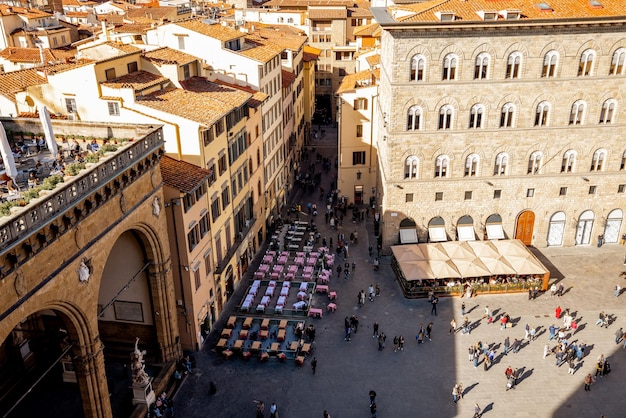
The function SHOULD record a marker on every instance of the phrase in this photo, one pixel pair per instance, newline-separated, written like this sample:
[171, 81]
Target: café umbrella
[7, 154]
[44, 117]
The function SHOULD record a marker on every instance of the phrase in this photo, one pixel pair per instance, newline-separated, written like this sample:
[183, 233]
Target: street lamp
[358, 175]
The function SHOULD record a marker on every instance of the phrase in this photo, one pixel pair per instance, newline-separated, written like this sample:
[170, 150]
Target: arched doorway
[39, 368]
[556, 229]
[465, 228]
[525, 226]
[437, 230]
[584, 227]
[613, 226]
[408, 231]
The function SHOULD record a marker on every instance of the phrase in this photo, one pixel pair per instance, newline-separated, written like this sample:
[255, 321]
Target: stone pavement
[418, 381]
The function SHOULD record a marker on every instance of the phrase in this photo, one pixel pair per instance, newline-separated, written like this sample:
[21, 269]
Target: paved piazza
[418, 381]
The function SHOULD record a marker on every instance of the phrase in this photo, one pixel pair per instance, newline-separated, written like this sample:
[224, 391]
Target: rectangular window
[592, 189]
[360, 104]
[358, 157]
[408, 197]
[186, 72]
[131, 67]
[359, 131]
[497, 194]
[530, 192]
[207, 136]
[563, 191]
[215, 209]
[207, 263]
[114, 108]
[219, 127]
[225, 198]
[621, 188]
[222, 164]
[204, 225]
[109, 73]
[212, 177]
[70, 105]
[438, 196]
[193, 237]
[181, 43]
[468, 195]
[196, 278]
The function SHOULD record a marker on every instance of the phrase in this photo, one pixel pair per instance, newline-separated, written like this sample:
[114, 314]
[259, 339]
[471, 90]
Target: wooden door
[525, 225]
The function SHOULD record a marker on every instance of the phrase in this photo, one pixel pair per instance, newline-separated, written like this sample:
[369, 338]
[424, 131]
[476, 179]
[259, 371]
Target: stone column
[163, 300]
[92, 382]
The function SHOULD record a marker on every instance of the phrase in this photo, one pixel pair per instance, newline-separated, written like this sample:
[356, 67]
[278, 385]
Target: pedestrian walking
[557, 312]
[477, 411]
[456, 393]
[516, 345]
[370, 290]
[571, 366]
[588, 381]
[372, 397]
[325, 414]
[533, 333]
[375, 327]
[486, 314]
[618, 289]
[373, 410]
[314, 364]
[546, 350]
[273, 410]
[381, 341]
[348, 333]
[463, 308]
[429, 329]
[370, 250]
[476, 356]
[466, 325]
[260, 409]
[401, 343]
[527, 329]
[433, 310]
[452, 326]
[552, 290]
[619, 334]
[507, 345]
[395, 344]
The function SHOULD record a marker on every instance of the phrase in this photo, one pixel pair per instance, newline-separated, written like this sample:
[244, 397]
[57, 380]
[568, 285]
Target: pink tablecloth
[299, 261]
[282, 259]
[293, 269]
[268, 259]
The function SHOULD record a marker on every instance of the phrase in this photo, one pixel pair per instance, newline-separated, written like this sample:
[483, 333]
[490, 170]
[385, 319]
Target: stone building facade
[515, 121]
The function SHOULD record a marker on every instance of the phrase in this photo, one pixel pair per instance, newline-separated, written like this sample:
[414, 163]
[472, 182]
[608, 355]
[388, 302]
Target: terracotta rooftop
[181, 175]
[138, 80]
[467, 11]
[367, 30]
[6, 10]
[132, 28]
[16, 81]
[305, 3]
[311, 53]
[217, 31]
[288, 78]
[285, 36]
[260, 49]
[201, 101]
[152, 13]
[373, 60]
[365, 78]
[168, 55]
[258, 97]
[32, 55]
[326, 13]
[61, 68]
[360, 9]
[77, 3]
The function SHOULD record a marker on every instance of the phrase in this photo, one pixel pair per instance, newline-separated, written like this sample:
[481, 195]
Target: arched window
[598, 159]
[445, 117]
[534, 162]
[418, 66]
[577, 113]
[586, 62]
[414, 118]
[569, 161]
[471, 165]
[441, 166]
[481, 67]
[506, 115]
[542, 113]
[608, 111]
[617, 63]
[550, 61]
[501, 163]
[450, 63]
[410, 167]
[514, 65]
[476, 116]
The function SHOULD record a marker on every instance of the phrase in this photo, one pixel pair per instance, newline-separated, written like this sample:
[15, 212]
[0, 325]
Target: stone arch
[408, 223]
[413, 101]
[419, 50]
[478, 100]
[508, 149]
[590, 44]
[485, 47]
[517, 46]
[452, 49]
[448, 100]
[510, 98]
[556, 46]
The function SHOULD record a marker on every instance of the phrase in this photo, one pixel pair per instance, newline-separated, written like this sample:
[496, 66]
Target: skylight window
[595, 4]
[544, 7]
[487, 15]
[445, 16]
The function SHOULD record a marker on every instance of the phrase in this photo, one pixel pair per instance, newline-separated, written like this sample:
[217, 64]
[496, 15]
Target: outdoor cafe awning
[457, 259]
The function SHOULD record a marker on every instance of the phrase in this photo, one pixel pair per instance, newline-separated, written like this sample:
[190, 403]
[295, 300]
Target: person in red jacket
[557, 312]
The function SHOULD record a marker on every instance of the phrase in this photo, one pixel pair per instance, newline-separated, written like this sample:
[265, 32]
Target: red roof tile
[182, 175]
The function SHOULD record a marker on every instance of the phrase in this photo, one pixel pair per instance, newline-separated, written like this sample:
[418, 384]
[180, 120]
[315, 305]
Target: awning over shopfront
[459, 259]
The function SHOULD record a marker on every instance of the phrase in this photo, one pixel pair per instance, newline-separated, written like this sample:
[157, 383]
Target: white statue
[83, 271]
[137, 366]
[156, 206]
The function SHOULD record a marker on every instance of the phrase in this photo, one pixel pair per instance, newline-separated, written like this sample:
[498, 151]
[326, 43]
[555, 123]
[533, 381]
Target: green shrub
[5, 208]
[74, 168]
[92, 158]
[51, 182]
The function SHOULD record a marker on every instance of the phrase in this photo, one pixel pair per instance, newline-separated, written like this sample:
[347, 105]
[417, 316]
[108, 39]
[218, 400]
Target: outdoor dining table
[231, 322]
[324, 279]
[282, 259]
[299, 261]
[222, 343]
[315, 312]
[292, 269]
[259, 275]
[284, 291]
[303, 286]
[272, 283]
[321, 289]
[302, 295]
[264, 268]
[290, 276]
[281, 301]
[299, 305]
[268, 259]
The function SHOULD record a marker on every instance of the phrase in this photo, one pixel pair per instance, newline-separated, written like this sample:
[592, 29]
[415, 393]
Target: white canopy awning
[408, 236]
[466, 232]
[495, 231]
[437, 234]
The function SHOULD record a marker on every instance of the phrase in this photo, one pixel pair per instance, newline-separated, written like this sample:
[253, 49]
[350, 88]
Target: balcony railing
[65, 196]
